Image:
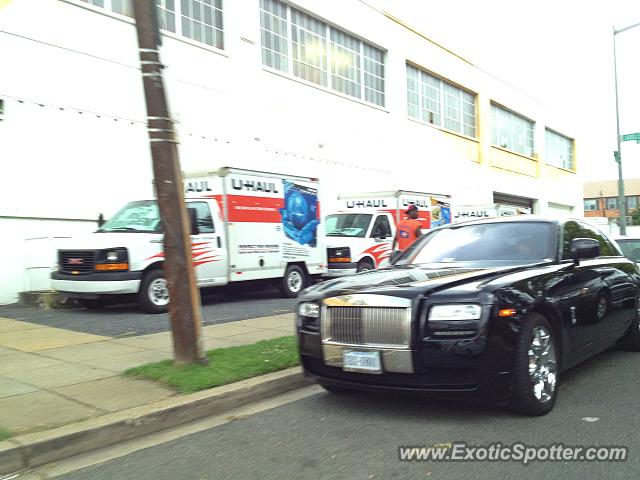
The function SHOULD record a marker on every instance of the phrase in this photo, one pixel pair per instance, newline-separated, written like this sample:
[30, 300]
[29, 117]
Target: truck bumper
[341, 270]
[97, 284]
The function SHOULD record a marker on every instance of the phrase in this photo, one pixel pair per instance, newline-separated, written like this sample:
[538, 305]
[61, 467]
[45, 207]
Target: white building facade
[330, 89]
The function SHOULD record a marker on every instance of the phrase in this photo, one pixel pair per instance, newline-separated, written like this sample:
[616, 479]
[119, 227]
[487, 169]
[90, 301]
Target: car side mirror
[101, 220]
[583, 248]
[394, 256]
[193, 220]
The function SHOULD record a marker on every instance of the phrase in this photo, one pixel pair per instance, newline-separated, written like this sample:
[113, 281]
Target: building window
[590, 205]
[305, 47]
[612, 203]
[275, 35]
[440, 103]
[559, 150]
[632, 203]
[199, 20]
[202, 21]
[511, 131]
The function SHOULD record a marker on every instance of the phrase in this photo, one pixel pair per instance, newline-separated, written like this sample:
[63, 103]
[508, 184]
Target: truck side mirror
[193, 220]
[101, 220]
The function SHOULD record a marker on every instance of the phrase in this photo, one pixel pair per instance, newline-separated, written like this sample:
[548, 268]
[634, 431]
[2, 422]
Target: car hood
[406, 281]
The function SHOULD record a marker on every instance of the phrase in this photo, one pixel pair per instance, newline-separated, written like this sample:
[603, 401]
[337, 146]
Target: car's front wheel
[153, 296]
[536, 369]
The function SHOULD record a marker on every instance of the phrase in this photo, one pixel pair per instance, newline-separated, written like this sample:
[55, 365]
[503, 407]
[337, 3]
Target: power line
[79, 52]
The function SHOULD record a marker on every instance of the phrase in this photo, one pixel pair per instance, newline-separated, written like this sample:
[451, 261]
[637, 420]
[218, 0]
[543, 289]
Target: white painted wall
[62, 161]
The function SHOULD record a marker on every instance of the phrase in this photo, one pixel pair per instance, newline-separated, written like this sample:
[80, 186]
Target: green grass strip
[226, 365]
[4, 434]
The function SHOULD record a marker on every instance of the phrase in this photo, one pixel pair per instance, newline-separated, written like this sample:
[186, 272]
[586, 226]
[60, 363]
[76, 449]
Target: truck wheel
[293, 282]
[364, 265]
[153, 296]
[536, 368]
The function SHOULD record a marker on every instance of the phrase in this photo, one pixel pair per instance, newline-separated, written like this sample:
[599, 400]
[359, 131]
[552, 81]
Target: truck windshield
[347, 225]
[513, 243]
[142, 216]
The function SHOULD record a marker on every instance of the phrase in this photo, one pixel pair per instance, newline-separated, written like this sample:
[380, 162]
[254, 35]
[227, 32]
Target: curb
[46, 300]
[35, 449]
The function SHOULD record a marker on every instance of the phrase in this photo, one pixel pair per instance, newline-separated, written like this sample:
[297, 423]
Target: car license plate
[354, 361]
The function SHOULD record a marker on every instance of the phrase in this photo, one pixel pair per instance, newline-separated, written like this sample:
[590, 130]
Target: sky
[560, 52]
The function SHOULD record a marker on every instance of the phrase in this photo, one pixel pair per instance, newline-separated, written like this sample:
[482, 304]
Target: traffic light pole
[184, 308]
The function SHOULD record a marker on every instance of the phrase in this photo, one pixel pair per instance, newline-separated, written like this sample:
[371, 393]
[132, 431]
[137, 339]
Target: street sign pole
[622, 221]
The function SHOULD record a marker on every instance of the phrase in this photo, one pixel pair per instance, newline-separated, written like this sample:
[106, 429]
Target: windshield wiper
[122, 229]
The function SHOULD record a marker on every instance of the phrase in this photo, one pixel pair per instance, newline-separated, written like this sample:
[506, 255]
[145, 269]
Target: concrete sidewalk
[51, 376]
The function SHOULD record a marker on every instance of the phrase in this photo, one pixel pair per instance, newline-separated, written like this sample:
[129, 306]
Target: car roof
[513, 219]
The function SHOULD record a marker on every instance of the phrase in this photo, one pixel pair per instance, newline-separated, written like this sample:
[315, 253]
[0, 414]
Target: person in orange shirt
[409, 229]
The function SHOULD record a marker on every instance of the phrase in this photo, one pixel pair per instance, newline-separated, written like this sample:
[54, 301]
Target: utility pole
[184, 308]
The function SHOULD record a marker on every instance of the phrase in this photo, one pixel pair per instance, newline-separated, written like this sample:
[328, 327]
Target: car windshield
[141, 216]
[508, 243]
[347, 224]
[630, 247]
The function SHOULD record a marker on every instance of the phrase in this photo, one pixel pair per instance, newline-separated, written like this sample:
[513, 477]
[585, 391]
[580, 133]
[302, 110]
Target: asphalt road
[125, 319]
[326, 436]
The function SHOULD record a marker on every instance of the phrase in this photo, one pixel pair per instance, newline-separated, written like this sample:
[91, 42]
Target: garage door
[558, 210]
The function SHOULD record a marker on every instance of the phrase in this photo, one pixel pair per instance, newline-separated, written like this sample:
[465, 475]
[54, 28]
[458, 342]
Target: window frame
[595, 204]
[328, 51]
[611, 199]
[107, 7]
[499, 113]
[382, 219]
[551, 136]
[444, 88]
[197, 205]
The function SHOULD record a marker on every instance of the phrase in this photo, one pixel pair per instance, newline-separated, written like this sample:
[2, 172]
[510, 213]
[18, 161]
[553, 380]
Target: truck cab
[358, 241]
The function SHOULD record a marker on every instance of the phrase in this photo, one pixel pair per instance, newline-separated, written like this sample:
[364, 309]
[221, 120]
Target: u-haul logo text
[253, 186]
[197, 186]
[380, 203]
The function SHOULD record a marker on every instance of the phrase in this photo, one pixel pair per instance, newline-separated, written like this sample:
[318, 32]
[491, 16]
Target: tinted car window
[630, 248]
[574, 229]
[503, 243]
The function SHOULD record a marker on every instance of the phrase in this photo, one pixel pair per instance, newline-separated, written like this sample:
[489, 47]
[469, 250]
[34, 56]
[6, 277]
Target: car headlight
[308, 309]
[455, 312]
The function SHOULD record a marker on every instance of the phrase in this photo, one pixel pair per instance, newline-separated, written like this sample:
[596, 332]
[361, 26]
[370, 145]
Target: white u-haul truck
[246, 225]
[360, 234]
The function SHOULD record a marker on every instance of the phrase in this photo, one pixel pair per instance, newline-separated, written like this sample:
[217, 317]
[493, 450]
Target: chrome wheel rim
[602, 306]
[295, 281]
[543, 368]
[159, 292]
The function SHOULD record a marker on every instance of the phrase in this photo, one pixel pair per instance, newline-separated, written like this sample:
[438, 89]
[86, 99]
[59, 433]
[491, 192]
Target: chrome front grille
[369, 320]
[77, 261]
